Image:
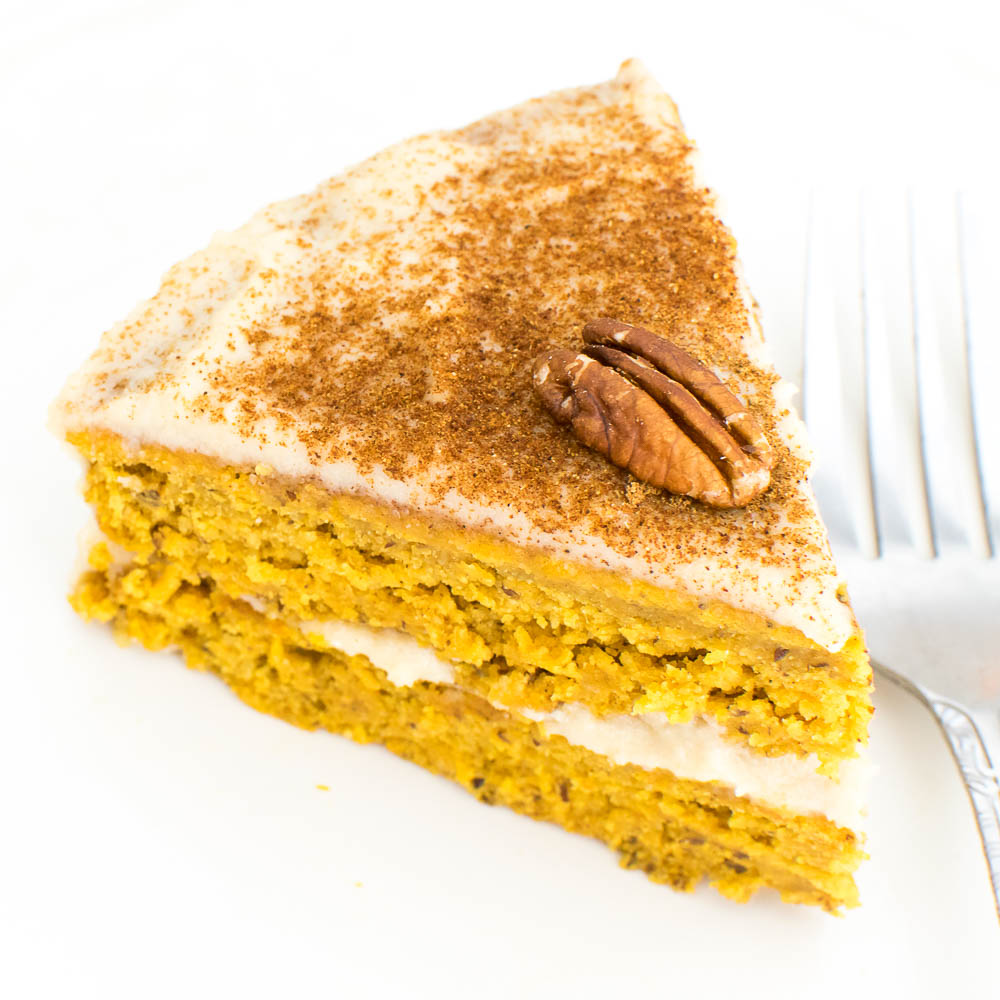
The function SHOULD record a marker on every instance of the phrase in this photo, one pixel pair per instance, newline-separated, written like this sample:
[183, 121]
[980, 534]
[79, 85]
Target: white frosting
[699, 751]
[790, 427]
[151, 377]
[695, 750]
[403, 659]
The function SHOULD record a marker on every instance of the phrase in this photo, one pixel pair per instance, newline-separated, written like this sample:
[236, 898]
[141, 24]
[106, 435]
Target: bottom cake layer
[676, 831]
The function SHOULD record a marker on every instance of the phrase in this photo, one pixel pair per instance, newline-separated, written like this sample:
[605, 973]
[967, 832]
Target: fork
[894, 358]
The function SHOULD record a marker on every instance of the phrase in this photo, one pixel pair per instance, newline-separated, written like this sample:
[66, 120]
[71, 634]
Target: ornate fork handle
[969, 750]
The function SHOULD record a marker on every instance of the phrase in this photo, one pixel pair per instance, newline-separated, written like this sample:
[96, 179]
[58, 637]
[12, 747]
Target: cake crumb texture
[519, 631]
[677, 832]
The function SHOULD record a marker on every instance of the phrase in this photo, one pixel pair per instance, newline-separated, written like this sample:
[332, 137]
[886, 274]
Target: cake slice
[342, 460]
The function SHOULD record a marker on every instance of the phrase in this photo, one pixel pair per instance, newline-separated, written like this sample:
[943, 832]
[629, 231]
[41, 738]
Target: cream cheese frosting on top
[376, 335]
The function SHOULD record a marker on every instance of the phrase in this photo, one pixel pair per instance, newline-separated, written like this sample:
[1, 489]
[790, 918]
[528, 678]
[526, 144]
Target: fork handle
[981, 780]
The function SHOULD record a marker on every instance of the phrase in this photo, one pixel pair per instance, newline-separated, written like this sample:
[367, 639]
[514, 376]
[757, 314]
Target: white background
[158, 838]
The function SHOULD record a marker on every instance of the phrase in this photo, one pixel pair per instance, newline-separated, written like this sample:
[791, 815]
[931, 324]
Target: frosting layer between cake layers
[696, 750]
[376, 335]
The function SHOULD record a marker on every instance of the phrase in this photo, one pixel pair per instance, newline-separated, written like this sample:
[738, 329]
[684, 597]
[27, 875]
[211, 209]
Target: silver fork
[895, 352]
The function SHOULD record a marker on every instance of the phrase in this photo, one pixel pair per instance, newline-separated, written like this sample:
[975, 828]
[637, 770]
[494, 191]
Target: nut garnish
[653, 409]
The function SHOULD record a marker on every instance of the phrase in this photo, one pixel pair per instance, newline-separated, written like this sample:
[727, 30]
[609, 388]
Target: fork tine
[834, 369]
[953, 461]
[894, 454]
[822, 376]
[967, 346]
[916, 346]
[866, 374]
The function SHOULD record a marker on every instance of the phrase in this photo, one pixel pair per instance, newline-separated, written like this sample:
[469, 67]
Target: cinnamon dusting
[406, 343]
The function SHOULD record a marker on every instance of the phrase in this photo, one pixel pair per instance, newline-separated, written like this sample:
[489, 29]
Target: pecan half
[653, 409]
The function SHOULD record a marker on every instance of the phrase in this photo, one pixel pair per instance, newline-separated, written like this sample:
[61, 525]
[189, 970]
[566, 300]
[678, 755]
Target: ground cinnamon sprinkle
[403, 335]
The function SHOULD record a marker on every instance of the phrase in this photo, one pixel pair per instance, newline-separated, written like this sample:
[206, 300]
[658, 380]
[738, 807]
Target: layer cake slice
[321, 471]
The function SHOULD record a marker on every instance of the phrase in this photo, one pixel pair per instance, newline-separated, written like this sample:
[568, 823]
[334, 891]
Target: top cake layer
[377, 335]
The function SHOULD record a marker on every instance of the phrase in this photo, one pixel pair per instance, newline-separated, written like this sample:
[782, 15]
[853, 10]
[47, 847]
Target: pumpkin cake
[404, 459]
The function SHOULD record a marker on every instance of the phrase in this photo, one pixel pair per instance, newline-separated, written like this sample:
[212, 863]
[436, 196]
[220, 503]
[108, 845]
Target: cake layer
[377, 336]
[518, 629]
[677, 831]
[697, 750]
